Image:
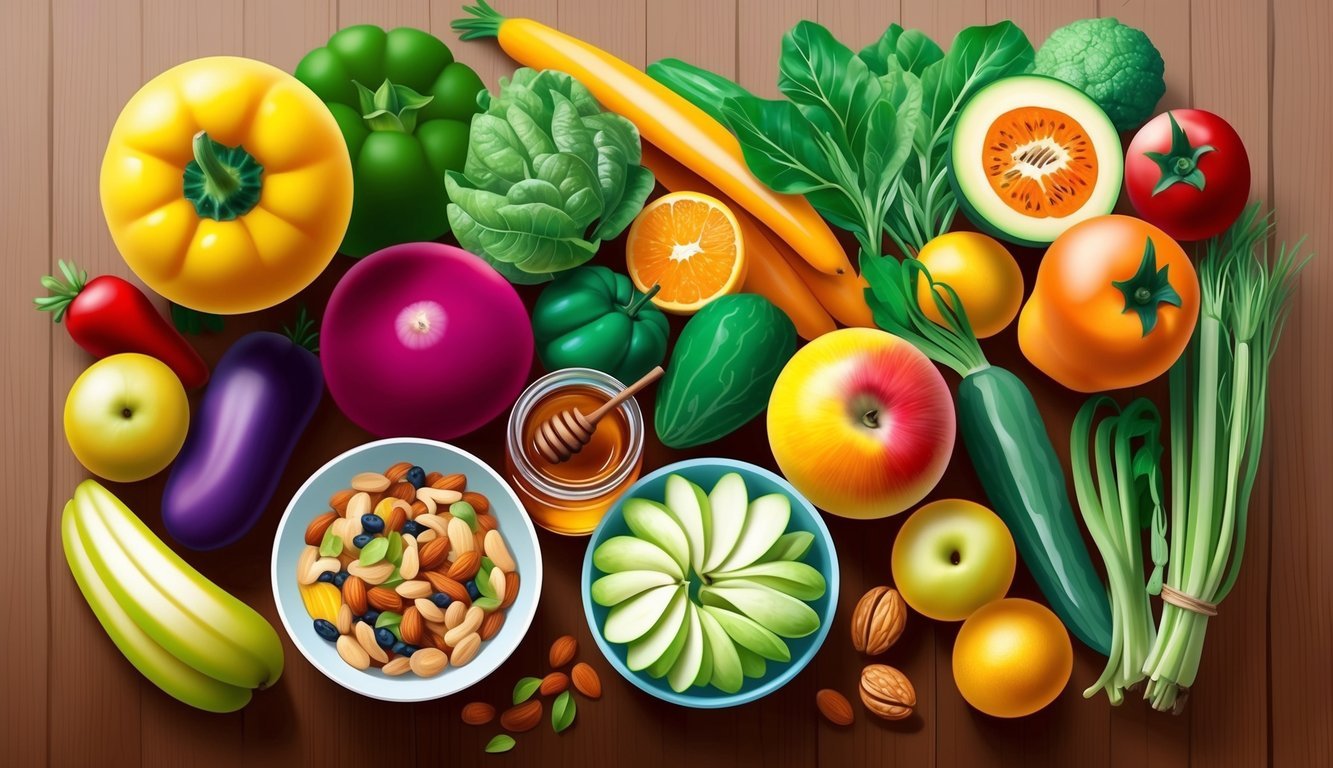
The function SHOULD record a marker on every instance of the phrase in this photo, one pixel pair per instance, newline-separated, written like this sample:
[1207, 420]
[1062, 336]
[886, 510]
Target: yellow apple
[951, 557]
[126, 417]
[861, 423]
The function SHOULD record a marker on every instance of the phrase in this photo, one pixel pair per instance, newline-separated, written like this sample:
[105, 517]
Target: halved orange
[689, 245]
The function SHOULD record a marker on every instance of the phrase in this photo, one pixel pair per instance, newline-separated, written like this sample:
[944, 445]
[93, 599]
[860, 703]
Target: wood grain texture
[1264, 694]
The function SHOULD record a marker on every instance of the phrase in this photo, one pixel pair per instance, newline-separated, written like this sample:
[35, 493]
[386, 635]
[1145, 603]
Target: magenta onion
[424, 340]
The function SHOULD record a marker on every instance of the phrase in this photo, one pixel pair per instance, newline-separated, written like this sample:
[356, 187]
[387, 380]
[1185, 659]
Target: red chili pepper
[108, 315]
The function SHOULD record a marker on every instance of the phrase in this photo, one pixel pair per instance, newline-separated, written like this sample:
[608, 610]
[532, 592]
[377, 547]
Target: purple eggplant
[260, 399]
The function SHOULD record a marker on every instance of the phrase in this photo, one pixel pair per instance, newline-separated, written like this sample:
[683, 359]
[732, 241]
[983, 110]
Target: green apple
[952, 557]
[126, 417]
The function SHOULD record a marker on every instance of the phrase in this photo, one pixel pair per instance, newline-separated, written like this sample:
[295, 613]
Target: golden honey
[570, 497]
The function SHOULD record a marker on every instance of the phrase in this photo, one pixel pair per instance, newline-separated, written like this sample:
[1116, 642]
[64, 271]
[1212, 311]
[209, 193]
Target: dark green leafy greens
[549, 175]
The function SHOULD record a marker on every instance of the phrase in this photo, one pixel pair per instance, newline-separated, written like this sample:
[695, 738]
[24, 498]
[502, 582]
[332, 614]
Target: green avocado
[1032, 156]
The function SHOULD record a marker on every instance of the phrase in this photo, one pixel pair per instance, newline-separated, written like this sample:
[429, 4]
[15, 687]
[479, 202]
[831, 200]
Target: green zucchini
[722, 370]
[1013, 457]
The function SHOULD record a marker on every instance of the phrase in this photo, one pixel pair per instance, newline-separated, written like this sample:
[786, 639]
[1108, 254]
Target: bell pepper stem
[222, 182]
[632, 309]
[218, 177]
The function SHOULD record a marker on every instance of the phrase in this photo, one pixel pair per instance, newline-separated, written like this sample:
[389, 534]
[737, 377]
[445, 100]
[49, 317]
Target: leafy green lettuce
[549, 175]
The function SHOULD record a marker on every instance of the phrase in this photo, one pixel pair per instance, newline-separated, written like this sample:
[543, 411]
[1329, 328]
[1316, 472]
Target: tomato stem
[1148, 288]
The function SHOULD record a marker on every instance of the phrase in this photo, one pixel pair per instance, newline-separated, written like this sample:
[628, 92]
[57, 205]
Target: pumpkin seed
[525, 688]
[465, 512]
[502, 743]
[374, 551]
[563, 712]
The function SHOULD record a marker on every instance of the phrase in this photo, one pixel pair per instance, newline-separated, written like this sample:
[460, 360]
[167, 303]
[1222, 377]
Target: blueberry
[441, 600]
[416, 476]
[408, 650]
[339, 578]
[385, 638]
[398, 646]
[326, 630]
[371, 616]
[361, 541]
[325, 577]
[372, 523]
[472, 590]
[413, 527]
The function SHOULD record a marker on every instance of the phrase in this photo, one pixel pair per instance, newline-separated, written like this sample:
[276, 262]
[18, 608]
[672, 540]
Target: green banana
[165, 671]
[173, 604]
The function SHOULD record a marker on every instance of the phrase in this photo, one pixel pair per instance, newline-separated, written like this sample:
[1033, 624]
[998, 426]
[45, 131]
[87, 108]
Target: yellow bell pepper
[227, 185]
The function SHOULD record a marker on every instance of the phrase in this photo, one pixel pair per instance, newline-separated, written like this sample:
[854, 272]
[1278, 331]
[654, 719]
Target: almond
[396, 519]
[398, 471]
[397, 665]
[354, 594]
[435, 640]
[418, 509]
[466, 650]
[370, 482]
[433, 477]
[460, 537]
[432, 554]
[586, 680]
[403, 492]
[553, 683]
[563, 651]
[495, 548]
[352, 652]
[411, 627]
[454, 614]
[454, 482]
[478, 502]
[465, 566]
[429, 611]
[382, 599]
[478, 713]
[338, 501]
[487, 523]
[365, 637]
[314, 533]
[470, 624]
[834, 707]
[413, 589]
[523, 717]
[454, 589]
[511, 591]
[490, 626]
[428, 662]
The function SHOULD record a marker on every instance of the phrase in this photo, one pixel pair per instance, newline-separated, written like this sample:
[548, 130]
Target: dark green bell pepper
[591, 317]
[404, 106]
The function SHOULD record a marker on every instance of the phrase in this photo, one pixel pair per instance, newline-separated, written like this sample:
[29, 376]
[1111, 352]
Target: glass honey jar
[570, 497]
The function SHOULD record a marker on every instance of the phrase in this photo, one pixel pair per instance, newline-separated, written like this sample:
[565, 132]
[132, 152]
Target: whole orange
[1012, 657]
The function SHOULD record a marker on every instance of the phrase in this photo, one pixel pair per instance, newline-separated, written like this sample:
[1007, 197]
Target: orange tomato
[1114, 305]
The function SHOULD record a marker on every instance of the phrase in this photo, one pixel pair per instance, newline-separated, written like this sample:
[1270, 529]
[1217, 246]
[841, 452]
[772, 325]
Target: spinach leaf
[818, 73]
[780, 146]
[901, 50]
[978, 57]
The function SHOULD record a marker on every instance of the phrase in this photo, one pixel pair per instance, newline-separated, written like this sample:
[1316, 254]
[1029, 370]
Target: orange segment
[689, 244]
[1040, 162]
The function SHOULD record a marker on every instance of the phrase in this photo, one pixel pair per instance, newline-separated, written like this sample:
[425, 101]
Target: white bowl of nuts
[406, 570]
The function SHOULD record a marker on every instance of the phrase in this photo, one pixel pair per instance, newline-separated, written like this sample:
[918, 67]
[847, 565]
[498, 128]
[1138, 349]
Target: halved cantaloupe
[1033, 156]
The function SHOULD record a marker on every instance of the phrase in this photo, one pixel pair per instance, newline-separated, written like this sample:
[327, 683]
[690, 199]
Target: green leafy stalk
[1117, 501]
[1219, 392]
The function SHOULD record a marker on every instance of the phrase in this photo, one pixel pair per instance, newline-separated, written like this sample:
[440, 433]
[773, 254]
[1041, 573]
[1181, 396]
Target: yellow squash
[674, 125]
[226, 185]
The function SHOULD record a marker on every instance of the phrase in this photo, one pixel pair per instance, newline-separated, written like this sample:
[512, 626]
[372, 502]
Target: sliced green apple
[789, 546]
[633, 618]
[765, 520]
[649, 648]
[689, 505]
[752, 664]
[706, 660]
[782, 614]
[658, 669]
[727, 673]
[652, 522]
[750, 634]
[686, 668]
[626, 553]
[616, 588]
[796, 579]
[727, 503]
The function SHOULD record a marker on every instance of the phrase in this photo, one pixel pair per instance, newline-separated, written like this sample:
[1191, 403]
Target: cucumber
[1016, 463]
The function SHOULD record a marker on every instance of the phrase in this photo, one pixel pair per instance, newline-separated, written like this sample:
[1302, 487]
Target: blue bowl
[312, 500]
[822, 556]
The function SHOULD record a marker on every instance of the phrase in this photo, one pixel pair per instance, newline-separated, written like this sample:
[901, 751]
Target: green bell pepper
[404, 106]
[591, 317]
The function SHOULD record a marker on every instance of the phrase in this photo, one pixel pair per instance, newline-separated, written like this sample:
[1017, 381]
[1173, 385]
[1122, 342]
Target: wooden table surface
[1265, 691]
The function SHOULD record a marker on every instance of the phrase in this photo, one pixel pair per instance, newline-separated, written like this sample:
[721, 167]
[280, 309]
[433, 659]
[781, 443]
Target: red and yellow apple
[861, 423]
[126, 417]
[951, 557]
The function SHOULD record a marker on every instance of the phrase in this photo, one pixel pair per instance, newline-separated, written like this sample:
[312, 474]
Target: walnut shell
[886, 692]
[878, 620]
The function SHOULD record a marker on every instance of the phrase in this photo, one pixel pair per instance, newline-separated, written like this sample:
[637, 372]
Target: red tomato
[1187, 173]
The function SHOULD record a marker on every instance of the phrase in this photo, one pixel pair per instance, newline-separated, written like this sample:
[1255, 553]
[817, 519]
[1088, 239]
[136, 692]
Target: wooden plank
[1299, 450]
[386, 13]
[1230, 75]
[282, 33]
[616, 26]
[858, 23]
[760, 25]
[26, 397]
[1167, 24]
[96, 69]
[702, 32]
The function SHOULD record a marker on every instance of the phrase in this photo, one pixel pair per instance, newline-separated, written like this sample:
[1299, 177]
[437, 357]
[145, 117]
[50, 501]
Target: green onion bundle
[1219, 389]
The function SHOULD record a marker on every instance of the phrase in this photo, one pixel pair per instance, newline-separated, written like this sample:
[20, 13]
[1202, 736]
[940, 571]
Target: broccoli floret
[1114, 64]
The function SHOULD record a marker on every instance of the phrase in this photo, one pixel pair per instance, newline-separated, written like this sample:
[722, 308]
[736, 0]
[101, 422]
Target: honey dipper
[565, 433]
